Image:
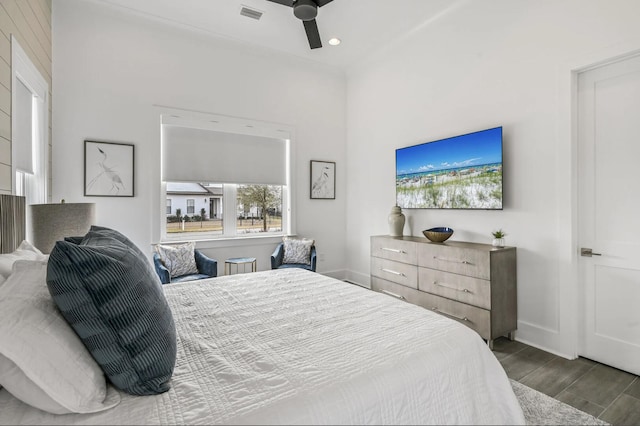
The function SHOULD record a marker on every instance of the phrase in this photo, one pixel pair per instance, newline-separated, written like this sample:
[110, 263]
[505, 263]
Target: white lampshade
[53, 222]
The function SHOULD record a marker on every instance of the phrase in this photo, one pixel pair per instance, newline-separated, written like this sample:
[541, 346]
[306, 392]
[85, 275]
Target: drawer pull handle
[397, 296]
[444, 259]
[435, 309]
[394, 250]
[464, 290]
[400, 274]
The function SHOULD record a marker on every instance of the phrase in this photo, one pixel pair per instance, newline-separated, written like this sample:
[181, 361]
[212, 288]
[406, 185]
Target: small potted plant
[498, 238]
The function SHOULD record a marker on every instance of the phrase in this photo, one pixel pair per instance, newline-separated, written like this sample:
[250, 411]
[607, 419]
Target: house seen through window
[198, 208]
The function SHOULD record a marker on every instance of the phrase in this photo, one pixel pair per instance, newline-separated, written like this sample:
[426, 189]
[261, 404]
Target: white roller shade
[196, 155]
[22, 134]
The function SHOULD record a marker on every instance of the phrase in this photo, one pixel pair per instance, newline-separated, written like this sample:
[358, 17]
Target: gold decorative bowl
[438, 235]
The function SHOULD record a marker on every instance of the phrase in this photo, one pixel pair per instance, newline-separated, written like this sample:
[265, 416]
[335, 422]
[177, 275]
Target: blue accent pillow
[109, 293]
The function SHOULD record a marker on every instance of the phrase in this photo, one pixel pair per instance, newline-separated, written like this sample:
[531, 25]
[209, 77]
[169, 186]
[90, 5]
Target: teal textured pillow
[111, 296]
[297, 250]
[179, 259]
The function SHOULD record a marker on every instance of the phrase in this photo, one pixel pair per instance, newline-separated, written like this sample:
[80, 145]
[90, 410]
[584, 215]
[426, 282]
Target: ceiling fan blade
[312, 33]
[321, 3]
[284, 2]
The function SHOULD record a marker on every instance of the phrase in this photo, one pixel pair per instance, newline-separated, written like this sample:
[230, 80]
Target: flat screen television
[462, 172]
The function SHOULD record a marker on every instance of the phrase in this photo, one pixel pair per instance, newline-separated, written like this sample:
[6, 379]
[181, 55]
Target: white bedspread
[291, 346]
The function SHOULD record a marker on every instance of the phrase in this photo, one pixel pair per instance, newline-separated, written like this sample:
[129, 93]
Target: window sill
[241, 241]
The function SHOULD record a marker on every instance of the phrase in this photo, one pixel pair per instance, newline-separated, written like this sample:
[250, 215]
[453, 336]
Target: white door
[609, 215]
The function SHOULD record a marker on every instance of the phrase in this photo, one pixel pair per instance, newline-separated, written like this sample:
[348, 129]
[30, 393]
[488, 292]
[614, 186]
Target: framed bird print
[323, 180]
[108, 169]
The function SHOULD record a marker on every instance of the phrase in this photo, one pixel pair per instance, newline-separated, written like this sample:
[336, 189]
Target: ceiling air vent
[250, 13]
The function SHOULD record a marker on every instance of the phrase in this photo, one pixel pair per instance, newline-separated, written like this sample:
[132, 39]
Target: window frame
[35, 186]
[229, 236]
[191, 206]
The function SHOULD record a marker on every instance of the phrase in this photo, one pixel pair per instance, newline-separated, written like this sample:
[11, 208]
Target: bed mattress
[295, 347]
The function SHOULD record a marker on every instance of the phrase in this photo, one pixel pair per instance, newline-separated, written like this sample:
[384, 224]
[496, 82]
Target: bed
[296, 347]
[285, 346]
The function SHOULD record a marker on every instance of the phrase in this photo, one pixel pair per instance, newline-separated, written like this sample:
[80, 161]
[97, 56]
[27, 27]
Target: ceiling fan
[306, 11]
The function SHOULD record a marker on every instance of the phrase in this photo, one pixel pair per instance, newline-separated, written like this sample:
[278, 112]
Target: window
[251, 176]
[206, 220]
[30, 129]
[168, 205]
[259, 208]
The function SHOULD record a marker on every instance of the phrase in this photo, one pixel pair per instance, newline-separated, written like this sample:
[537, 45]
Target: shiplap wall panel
[5, 75]
[43, 38]
[44, 19]
[30, 22]
[5, 151]
[5, 125]
[5, 99]
[27, 38]
[5, 179]
[5, 49]
[6, 24]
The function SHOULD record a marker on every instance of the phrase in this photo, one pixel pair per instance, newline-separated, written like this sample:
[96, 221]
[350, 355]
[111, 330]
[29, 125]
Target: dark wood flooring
[602, 391]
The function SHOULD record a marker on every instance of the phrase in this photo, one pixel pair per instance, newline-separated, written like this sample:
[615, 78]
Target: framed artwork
[108, 169]
[323, 180]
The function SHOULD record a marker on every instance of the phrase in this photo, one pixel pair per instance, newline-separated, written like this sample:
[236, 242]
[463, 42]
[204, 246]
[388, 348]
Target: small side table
[244, 261]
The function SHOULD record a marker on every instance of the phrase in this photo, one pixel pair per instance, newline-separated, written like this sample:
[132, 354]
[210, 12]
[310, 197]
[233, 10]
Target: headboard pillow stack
[109, 293]
[42, 361]
[25, 251]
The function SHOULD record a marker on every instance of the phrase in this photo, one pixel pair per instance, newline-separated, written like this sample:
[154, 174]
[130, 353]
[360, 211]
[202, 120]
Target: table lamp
[53, 222]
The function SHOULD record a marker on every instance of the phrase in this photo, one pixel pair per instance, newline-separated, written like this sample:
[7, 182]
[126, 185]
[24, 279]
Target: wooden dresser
[472, 283]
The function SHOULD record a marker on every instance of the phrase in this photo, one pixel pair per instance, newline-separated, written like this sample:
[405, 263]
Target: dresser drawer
[459, 260]
[473, 291]
[475, 318]
[394, 249]
[398, 291]
[401, 273]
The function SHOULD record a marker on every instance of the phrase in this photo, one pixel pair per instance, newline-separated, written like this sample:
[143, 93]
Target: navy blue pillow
[74, 240]
[111, 296]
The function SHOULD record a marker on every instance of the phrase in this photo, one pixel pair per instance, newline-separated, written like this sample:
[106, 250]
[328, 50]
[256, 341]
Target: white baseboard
[349, 276]
[339, 274]
[363, 280]
[545, 339]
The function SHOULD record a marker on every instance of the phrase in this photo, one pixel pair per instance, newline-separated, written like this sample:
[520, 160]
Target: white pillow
[297, 250]
[25, 251]
[179, 259]
[42, 361]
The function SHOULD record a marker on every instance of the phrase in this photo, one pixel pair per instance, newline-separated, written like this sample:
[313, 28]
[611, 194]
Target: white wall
[485, 64]
[480, 65]
[110, 69]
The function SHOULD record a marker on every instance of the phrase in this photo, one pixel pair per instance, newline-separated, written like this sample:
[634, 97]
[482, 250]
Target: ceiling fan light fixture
[334, 41]
[305, 10]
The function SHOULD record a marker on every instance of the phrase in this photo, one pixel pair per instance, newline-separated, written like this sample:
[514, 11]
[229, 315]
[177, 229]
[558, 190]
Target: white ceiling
[364, 26]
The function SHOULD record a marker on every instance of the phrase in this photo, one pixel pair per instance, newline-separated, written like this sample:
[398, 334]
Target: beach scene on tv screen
[463, 172]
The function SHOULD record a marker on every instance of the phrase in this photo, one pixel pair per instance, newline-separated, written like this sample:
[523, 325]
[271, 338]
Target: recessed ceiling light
[335, 41]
